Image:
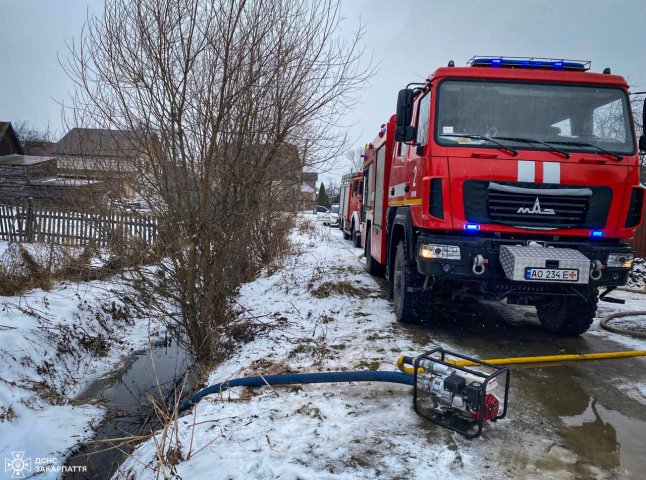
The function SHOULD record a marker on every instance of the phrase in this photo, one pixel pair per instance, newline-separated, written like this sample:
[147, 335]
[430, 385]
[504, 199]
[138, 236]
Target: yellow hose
[404, 369]
[554, 358]
[540, 359]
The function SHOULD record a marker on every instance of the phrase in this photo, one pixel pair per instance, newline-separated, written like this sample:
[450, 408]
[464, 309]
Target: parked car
[334, 215]
[321, 212]
[328, 216]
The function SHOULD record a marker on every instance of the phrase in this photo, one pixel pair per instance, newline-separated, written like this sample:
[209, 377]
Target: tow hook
[595, 270]
[479, 263]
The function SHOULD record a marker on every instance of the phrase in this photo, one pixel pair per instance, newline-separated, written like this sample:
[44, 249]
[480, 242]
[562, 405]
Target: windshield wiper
[531, 140]
[585, 144]
[481, 137]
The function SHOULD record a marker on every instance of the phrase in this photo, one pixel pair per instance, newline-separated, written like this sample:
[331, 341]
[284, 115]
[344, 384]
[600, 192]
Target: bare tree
[637, 104]
[27, 133]
[238, 95]
[355, 159]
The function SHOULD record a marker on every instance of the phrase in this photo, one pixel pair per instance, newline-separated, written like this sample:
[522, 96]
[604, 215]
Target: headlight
[430, 251]
[620, 260]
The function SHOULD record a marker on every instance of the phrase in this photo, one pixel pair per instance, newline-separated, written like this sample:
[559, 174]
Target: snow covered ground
[638, 274]
[325, 314]
[53, 344]
[328, 314]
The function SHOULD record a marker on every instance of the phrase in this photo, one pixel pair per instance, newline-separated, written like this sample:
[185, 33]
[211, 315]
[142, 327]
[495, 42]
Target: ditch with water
[158, 373]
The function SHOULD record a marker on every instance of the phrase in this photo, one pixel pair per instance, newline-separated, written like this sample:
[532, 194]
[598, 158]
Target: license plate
[551, 274]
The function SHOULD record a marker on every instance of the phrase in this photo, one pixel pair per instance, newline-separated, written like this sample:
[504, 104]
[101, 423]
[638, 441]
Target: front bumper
[489, 250]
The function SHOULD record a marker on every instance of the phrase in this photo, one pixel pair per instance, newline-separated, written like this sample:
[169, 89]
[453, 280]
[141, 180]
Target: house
[113, 156]
[308, 190]
[9, 142]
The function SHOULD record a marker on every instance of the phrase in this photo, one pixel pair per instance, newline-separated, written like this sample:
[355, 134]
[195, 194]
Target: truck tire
[373, 267]
[411, 304]
[568, 316]
[356, 237]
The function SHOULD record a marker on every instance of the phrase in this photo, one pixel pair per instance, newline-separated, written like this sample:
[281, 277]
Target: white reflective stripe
[551, 172]
[526, 171]
[399, 190]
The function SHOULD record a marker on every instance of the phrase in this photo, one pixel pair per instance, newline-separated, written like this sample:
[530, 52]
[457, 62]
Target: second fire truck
[350, 206]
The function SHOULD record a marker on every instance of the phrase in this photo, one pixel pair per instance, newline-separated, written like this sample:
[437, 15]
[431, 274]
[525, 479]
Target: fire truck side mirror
[642, 139]
[404, 107]
[405, 132]
[642, 143]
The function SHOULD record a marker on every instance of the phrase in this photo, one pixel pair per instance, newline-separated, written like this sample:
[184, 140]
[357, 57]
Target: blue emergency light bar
[530, 62]
[596, 234]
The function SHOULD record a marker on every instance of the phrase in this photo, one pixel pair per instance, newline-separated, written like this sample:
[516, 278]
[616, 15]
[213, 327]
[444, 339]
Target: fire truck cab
[350, 204]
[511, 178]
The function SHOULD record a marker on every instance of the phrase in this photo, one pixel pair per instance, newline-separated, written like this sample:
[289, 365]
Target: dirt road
[594, 412]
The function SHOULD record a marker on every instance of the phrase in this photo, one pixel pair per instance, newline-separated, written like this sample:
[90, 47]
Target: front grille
[536, 205]
[536, 210]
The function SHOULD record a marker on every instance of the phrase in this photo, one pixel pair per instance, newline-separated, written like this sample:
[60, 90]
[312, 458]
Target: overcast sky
[409, 39]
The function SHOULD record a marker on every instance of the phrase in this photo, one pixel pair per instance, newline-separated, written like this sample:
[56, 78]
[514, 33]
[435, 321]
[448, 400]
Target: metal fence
[32, 223]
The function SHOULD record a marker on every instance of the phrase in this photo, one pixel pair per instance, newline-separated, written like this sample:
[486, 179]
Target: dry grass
[342, 287]
[7, 414]
[40, 265]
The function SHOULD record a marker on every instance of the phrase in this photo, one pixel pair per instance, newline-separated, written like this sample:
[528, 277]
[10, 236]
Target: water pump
[449, 394]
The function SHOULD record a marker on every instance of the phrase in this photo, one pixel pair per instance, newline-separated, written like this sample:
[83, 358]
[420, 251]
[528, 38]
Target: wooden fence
[639, 241]
[32, 223]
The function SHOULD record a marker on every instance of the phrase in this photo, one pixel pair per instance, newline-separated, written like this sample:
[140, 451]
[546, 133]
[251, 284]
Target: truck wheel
[356, 237]
[410, 306]
[373, 267]
[567, 315]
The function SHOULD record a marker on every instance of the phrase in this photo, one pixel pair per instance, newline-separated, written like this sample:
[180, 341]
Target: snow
[322, 313]
[353, 431]
[294, 432]
[634, 302]
[46, 364]
[637, 277]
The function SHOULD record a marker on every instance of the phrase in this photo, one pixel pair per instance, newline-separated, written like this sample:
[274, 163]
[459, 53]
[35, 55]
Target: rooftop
[98, 142]
[23, 159]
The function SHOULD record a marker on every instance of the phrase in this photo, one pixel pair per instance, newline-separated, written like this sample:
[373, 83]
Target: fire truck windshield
[572, 117]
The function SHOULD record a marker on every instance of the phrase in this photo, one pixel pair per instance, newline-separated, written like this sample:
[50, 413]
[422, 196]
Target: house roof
[310, 176]
[98, 142]
[305, 188]
[6, 127]
[23, 159]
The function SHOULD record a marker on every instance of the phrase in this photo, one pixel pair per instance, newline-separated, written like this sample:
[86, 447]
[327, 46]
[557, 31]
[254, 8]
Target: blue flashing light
[472, 226]
[541, 63]
[596, 234]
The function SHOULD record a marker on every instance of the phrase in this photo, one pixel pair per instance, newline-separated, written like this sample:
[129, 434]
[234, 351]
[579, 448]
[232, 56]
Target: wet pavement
[598, 426]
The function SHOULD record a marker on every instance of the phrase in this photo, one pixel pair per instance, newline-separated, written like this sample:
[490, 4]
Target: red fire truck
[350, 202]
[510, 178]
